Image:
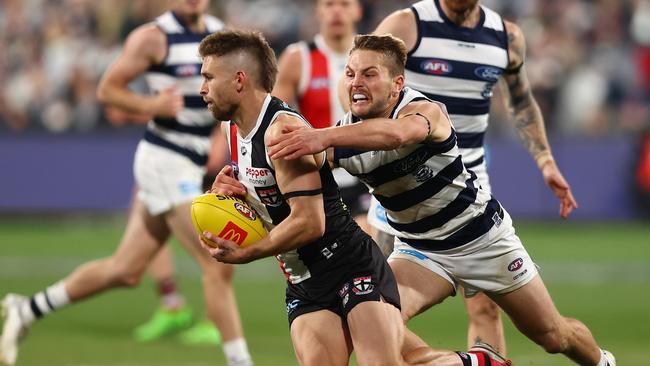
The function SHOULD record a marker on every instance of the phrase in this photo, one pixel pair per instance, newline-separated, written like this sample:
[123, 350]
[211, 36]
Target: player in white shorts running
[169, 167]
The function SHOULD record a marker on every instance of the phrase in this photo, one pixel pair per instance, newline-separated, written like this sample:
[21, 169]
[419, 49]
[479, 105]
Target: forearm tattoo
[528, 117]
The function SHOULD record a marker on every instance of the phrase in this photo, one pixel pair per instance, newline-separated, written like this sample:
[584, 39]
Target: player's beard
[223, 114]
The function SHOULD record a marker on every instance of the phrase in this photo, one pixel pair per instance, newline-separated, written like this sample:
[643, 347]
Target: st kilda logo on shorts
[233, 232]
[515, 265]
[245, 211]
[362, 285]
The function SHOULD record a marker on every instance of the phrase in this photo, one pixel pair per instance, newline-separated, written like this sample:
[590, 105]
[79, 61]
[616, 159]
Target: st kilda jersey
[254, 169]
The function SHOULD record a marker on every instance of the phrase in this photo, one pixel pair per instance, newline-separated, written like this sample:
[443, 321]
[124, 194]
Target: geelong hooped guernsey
[459, 66]
[317, 91]
[430, 198]
[255, 170]
[188, 133]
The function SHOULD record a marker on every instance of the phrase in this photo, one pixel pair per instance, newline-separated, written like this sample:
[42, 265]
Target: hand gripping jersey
[189, 133]
[430, 198]
[255, 170]
[459, 66]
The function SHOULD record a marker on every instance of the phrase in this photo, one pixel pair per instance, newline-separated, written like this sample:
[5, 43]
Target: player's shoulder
[398, 19]
[423, 106]
[515, 35]
[401, 24]
[516, 42]
[286, 117]
[147, 36]
[292, 52]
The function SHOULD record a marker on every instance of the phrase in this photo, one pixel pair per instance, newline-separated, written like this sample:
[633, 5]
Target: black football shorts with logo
[355, 273]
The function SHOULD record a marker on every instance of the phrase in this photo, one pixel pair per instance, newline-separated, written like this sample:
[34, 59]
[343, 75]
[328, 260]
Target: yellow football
[227, 217]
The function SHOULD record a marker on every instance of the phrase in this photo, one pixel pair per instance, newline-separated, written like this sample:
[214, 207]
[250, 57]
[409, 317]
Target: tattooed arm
[529, 121]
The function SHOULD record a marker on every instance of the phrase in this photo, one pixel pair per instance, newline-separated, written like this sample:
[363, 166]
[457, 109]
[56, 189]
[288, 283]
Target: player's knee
[553, 340]
[124, 276]
[313, 358]
[483, 311]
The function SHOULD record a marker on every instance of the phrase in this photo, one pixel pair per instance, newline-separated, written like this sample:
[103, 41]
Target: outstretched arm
[530, 123]
[306, 221]
[418, 122]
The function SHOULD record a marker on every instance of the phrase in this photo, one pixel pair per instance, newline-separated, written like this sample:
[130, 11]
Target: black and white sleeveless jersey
[429, 196]
[459, 66]
[255, 170]
[189, 133]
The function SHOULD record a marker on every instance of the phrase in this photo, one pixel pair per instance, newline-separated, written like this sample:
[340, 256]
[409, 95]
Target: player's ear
[240, 79]
[398, 84]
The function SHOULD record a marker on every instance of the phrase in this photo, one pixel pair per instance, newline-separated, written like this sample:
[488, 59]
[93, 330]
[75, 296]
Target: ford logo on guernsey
[515, 265]
[436, 67]
[488, 73]
[245, 211]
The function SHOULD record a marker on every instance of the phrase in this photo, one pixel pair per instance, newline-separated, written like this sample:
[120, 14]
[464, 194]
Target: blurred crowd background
[588, 61]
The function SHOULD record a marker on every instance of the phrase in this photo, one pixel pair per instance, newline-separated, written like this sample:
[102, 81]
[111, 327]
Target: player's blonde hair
[392, 48]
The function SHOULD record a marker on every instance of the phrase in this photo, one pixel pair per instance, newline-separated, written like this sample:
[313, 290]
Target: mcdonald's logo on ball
[233, 232]
[229, 218]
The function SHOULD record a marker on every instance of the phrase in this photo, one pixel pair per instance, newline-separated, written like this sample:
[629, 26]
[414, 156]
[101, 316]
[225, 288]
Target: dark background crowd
[588, 61]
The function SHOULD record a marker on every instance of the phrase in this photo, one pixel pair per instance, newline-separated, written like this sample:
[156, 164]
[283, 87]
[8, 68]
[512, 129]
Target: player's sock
[44, 302]
[604, 360]
[236, 352]
[170, 297]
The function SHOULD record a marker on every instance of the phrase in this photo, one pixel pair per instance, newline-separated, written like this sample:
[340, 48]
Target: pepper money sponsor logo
[259, 176]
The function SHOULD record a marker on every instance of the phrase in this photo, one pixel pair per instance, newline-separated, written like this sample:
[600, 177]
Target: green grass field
[597, 272]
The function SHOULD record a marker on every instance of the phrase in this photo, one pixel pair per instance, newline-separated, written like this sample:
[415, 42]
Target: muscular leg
[534, 314]
[143, 237]
[485, 323]
[217, 277]
[321, 338]
[377, 331]
[419, 289]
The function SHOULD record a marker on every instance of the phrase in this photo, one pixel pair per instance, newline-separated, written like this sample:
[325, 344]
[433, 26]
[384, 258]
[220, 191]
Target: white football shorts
[165, 179]
[496, 262]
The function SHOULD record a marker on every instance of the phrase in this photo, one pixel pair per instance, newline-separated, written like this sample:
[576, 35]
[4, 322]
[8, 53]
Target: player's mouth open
[359, 98]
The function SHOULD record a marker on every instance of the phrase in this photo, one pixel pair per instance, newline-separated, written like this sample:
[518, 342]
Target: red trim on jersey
[315, 102]
[482, 358]
[233, 143]
[284, 271]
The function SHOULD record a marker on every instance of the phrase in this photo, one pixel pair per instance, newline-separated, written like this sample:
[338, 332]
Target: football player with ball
[341, 294]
